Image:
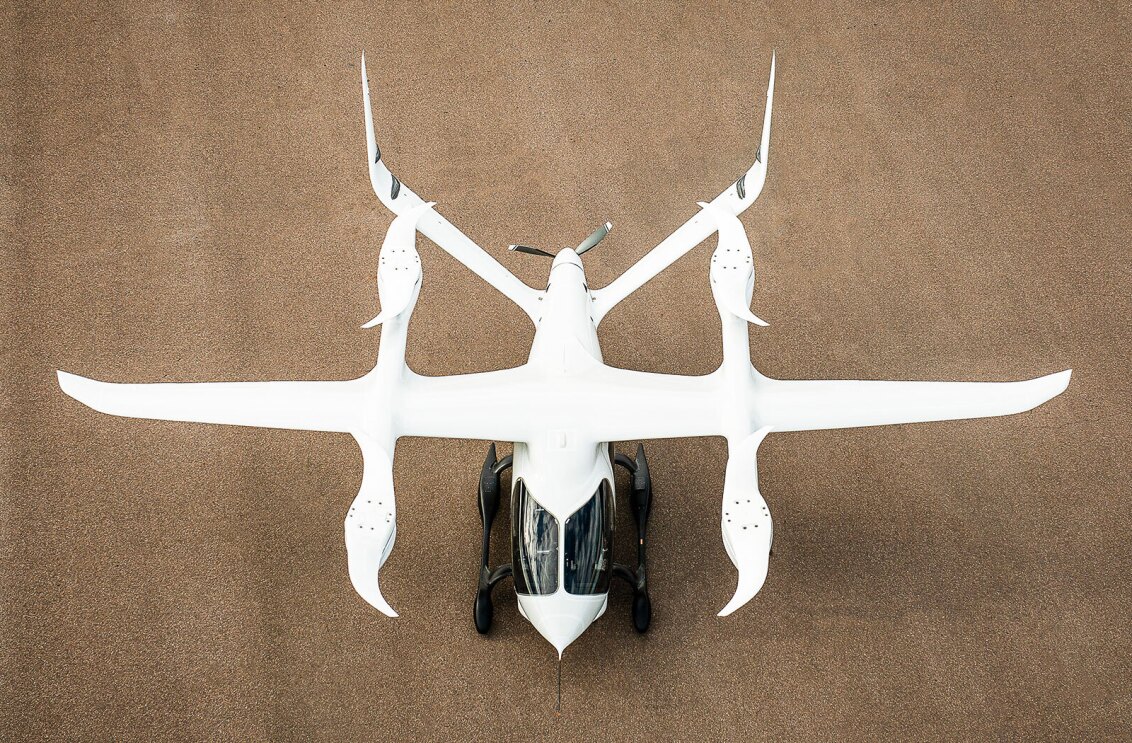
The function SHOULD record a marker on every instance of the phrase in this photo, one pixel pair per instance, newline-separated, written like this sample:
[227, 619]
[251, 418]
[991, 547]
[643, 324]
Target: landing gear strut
[489, 507]
[640, 504]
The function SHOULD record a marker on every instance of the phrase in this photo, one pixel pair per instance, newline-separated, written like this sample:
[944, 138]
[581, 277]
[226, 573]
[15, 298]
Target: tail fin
[740, 195]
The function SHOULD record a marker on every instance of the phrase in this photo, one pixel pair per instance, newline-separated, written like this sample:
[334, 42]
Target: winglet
[68, 382]
[385, 185]
[764, 144]
[745, 190]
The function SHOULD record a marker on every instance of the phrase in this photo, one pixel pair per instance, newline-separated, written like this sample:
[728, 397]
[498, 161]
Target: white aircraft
[562, 409]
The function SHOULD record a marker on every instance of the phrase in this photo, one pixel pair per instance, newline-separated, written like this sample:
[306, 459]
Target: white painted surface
[564, 405]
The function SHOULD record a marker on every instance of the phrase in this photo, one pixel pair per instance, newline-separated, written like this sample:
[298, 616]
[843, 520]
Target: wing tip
[1051, 385]
[71, 384]
[1059, 382]
[90, 392]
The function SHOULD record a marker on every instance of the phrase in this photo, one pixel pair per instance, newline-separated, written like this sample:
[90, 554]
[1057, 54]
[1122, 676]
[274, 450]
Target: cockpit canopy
[584, 543]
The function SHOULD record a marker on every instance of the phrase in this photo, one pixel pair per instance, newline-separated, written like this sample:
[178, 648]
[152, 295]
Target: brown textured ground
[185, 199]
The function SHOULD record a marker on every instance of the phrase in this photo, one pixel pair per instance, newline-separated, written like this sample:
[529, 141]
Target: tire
[483, 612]
[642, 611]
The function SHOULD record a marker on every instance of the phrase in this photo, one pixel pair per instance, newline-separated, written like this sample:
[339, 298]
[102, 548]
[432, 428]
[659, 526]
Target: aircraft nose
[560, 629]
[561, 618]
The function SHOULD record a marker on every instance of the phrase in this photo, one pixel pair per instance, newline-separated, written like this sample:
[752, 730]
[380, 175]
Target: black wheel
[642, 611]
[484, 610]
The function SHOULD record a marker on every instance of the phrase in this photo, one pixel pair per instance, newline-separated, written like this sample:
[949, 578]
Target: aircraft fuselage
[560, 517]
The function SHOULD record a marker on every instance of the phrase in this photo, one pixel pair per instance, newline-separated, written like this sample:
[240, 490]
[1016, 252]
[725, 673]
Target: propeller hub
[566, 256]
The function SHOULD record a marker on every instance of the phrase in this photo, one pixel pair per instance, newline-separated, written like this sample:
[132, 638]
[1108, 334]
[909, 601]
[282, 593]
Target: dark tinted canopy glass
[534, 544]
[588, 544]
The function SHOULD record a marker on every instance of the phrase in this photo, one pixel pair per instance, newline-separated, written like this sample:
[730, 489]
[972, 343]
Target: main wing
[809, 405]
[370, 524]
[388, 402]
[641, 405]
[305, 406]
[745, 406]
[371, 408]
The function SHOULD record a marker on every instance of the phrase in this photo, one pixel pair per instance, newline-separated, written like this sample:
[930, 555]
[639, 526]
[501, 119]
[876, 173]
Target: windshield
[588, 544]
[534, 544]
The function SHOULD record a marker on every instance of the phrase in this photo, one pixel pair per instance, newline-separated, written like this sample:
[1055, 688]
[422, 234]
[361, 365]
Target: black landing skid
[640, 505]
[489, 507]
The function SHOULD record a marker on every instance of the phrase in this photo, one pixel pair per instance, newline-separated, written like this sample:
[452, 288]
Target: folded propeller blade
[529, 250]
[594, 238]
